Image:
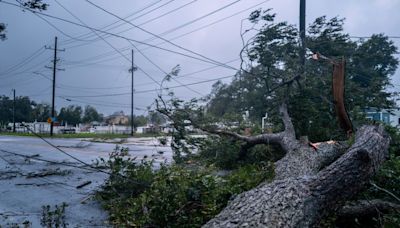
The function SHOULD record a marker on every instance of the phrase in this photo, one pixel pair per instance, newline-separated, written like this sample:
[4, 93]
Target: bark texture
[308, 186]
[368, 208]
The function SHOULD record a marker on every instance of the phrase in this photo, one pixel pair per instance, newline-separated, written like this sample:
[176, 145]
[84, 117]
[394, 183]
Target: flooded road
[34, 174]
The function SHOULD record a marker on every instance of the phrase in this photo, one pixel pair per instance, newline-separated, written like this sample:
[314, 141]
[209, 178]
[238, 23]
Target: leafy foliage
[272, 74]
[71, 114]
[182, 116]
[173, 196]
[127, 178]
[90, 114]
[139, 120]
[23, 109]
[34, 4]
[54, 218]
[2, 31]
[223, 153]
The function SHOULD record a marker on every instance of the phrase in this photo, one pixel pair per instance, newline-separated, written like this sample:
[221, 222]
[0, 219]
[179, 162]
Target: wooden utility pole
[132, 98]
[54, 85]
[54, 88]
[302, 34]
[14, 111]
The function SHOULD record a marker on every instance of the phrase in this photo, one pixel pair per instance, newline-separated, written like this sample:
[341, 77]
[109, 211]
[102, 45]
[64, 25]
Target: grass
[83, 135]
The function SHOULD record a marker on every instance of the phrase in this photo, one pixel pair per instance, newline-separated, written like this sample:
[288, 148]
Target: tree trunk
[308, 186]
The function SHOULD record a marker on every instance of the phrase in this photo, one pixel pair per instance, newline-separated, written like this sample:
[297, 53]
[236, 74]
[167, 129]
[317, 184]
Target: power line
[77, 159]
[40, 92]
[112, 34]
[64, 86]
[167, 13]
[152, 90]
[126, 18]
[32, 157]
[107, 54]
[159, 37]
[163, 71]
[108, 104]
[212, 23]
[25, 61]
[88, 35]
[156, 18]
[195, 20]
[108, 43]
[29, 69]
[45, 160]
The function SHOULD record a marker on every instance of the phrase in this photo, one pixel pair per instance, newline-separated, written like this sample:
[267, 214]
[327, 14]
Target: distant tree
[139, 120]
[91, 114]
[23, 109]
[156, 118]
[2, 31]
[5, 110]
[41, 112]
[71, 114]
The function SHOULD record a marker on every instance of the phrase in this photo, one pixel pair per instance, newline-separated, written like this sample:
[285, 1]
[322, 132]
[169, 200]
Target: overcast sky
[94, 68]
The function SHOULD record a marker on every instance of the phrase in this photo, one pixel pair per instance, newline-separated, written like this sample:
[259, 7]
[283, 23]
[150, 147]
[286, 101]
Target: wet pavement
[27, 182]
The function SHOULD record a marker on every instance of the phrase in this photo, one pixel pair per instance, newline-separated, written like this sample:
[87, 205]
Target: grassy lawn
[83, 135]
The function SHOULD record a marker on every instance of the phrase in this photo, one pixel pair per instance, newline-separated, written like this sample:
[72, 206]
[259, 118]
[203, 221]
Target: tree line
[27, 110]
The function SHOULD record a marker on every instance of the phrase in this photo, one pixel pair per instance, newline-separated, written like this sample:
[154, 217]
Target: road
[27, 184]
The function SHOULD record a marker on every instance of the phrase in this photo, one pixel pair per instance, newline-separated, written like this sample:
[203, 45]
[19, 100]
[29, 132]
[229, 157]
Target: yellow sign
[49, 120]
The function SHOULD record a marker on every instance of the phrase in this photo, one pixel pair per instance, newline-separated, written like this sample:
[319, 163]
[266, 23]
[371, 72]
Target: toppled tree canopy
[312, 181]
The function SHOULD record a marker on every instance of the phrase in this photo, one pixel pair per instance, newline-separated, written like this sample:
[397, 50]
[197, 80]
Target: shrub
[174, 196]
[225, 153]
[221, 152]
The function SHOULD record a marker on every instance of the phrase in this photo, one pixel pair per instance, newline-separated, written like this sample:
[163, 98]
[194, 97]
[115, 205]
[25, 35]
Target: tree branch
[286, 139]
[364, 208]
[301, 201]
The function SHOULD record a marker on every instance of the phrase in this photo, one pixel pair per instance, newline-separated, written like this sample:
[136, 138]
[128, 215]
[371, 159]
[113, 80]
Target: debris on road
[83, 184]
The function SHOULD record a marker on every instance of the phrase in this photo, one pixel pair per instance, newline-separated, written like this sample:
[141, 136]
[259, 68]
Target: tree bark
[300, 158]
[306, 188]
[367, 208]
[310, 182]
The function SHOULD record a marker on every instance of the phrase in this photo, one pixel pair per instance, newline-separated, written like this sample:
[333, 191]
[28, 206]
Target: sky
[202, 36]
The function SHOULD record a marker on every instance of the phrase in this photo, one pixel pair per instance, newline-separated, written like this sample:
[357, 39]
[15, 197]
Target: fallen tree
[305, 190]
[312, 181]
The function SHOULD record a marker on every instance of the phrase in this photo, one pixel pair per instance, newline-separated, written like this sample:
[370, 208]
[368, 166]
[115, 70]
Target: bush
[127, 178]
[225, 153]
[174, 196]
[221, 152]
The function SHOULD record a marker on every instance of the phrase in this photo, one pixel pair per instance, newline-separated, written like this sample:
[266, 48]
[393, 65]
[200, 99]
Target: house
[117, 118]
[391, 117]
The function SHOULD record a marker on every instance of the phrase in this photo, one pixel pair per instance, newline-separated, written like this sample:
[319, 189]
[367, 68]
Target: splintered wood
[338, 96]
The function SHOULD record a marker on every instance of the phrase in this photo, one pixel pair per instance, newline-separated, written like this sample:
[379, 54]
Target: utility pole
[302, 34]
[14, 111]
[132, 100]
[54, 85]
